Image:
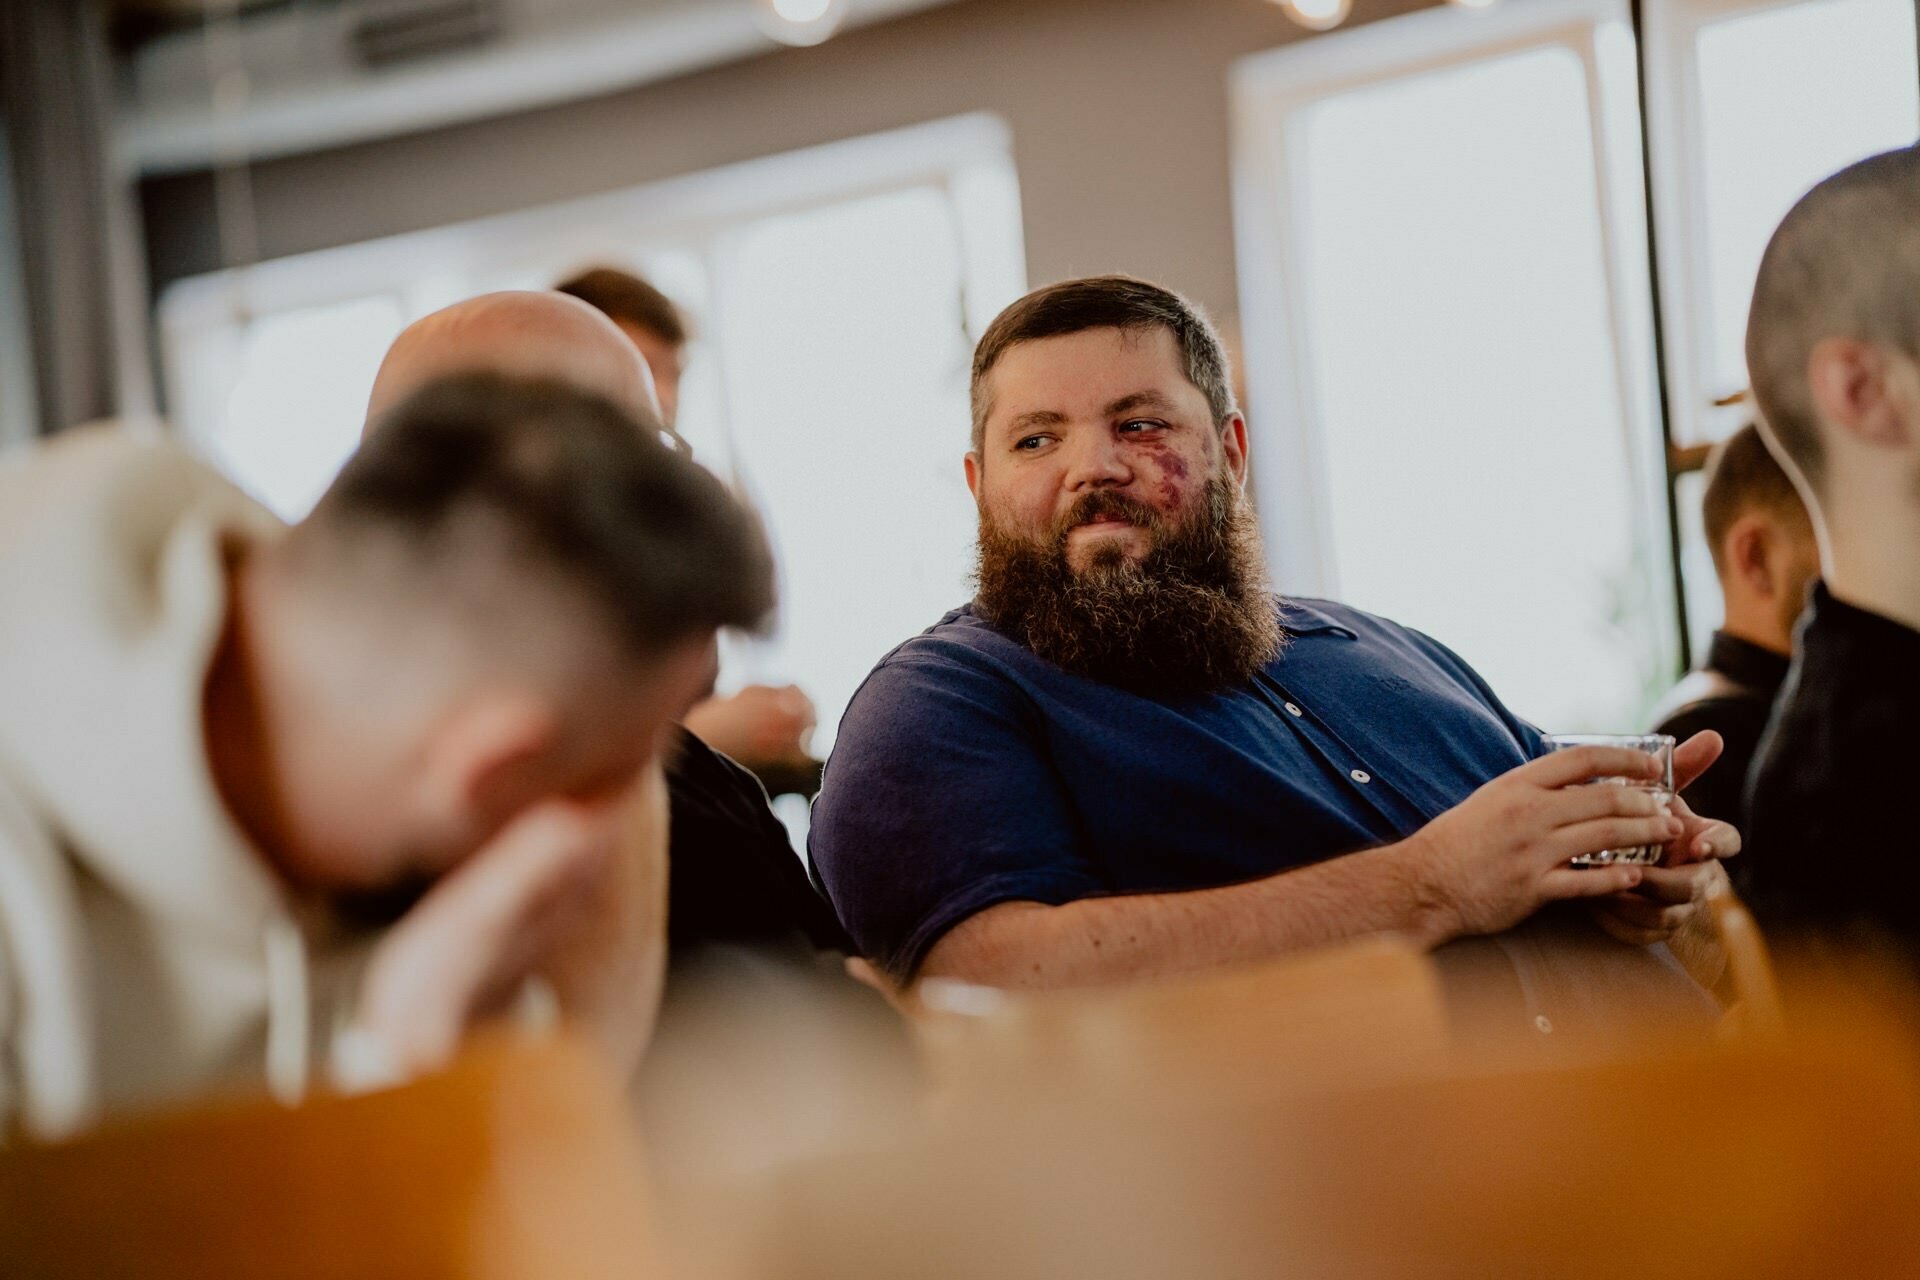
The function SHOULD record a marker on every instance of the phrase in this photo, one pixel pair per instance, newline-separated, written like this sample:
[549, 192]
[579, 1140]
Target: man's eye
[1141, 424]
[1027, 444]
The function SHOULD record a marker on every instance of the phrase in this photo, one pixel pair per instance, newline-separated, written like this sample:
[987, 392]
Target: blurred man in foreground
[1128, 759]
[762, 726]
[1832, 339]
[273, 799]
[1766, 559]
[735, 878]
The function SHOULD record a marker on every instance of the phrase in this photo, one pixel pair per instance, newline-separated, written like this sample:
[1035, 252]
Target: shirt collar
[1746, 663]
[1864, 630]
[1299, 618]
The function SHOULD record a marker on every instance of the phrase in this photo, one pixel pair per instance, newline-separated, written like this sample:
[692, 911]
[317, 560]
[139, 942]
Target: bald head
[1845, 263]
[518, 334]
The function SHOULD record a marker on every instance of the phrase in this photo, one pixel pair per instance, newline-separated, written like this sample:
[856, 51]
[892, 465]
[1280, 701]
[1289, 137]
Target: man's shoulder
[960, 642]
[960, 672]
[1709, 699]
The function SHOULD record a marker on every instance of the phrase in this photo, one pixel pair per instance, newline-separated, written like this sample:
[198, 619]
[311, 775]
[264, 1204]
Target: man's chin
[1107, 551]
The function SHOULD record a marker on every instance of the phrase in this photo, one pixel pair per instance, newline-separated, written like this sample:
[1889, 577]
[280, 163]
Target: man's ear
[1747, 553]
[1857, 387]
[482, 755]
[1233, 442]
[973, 474]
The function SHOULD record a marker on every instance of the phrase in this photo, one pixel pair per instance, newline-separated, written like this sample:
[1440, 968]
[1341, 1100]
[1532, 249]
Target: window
[835, 295]
[1447, 297]
[1752, 102]
[1470, 411]
[848, 362]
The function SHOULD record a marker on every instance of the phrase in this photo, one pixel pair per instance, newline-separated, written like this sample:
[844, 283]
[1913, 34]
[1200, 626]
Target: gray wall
[1118, 110]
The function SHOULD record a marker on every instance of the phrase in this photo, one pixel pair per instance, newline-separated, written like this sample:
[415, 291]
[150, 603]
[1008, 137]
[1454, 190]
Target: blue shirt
[969, 771]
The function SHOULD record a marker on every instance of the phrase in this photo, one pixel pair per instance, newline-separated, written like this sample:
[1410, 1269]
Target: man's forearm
[1118, 939]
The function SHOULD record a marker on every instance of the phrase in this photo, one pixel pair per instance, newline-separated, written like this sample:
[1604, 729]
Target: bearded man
[1127, 758]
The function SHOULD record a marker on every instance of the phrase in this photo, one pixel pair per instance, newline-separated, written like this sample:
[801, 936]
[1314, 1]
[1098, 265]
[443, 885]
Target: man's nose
[1096, 462]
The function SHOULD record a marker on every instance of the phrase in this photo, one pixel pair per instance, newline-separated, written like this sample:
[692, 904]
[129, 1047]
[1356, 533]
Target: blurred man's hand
[466, 949]
[758, 726]
[608, 966]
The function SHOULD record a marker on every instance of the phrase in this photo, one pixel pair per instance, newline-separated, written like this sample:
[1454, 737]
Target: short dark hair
[1742, 476]
[1107, 302]
[569, 486]
[1845, 262]
[621, 295]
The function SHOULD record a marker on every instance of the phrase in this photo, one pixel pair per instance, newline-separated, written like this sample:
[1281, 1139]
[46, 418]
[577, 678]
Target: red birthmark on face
[1174, 470]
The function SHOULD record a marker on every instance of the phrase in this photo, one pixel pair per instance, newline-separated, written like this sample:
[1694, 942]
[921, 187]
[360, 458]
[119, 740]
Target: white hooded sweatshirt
[147, 951]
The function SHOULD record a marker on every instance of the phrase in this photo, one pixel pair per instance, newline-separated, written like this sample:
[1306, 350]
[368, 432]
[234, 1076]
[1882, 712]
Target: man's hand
[1504, 852]
[1673, 897]
[759, 725]
[1701, 838]
[607, 968]
[480, 932]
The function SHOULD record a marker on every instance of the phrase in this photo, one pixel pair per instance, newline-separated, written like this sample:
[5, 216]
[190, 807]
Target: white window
[835, 295]
[1451, 409]
[1751, 103]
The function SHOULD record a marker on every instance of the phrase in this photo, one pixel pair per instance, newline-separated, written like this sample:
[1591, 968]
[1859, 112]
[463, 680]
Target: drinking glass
[1657, 745]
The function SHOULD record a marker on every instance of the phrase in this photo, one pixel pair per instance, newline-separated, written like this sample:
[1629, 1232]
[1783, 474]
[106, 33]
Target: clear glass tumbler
[1657, 745]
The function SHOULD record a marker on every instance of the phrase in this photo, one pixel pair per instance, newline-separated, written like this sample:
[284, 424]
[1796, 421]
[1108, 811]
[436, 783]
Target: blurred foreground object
[517, 1164]
[1372, 1009]
[277, 801]
[1788, 1156]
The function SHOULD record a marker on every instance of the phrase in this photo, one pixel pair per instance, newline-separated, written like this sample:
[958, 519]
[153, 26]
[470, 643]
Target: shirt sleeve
[940, 801]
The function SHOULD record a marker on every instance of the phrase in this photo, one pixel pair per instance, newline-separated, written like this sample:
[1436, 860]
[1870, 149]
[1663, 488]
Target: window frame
[1268, 94]
[1673, 128]
[1676, 147]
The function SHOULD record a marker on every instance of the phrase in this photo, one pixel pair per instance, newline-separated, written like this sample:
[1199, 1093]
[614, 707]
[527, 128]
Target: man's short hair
[1844, 263]
[1743, 476]
[622, 296]
[564, 485]
[1107, 302]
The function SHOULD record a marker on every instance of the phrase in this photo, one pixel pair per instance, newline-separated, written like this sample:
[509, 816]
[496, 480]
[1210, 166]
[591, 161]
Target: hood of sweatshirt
[113, 597]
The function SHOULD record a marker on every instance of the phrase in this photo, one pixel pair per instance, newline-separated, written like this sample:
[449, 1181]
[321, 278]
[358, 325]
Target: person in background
[735, 876]
[1766, 559]
[649, 320]
[1128, 759]
[279, 801]
[763, 727]
[1833, 347]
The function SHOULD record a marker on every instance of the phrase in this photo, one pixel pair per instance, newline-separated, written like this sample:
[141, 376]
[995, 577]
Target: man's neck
[1871, 555]
[1761, 632]
[239, 751]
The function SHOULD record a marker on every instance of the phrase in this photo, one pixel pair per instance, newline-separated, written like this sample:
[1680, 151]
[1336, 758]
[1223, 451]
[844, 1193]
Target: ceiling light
[1476, 4]
[799, 22]
[1317, 15]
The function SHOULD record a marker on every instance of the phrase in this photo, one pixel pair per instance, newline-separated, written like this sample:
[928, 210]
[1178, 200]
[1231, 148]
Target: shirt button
[1292, 710]
[1543, 1024]
[1361, 776]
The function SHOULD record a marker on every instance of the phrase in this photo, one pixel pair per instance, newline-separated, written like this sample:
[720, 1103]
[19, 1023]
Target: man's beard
[1194, 615]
